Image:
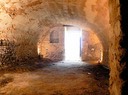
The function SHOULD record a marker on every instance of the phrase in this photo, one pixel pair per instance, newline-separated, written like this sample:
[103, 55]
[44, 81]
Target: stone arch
[101, 34]
[84, 25]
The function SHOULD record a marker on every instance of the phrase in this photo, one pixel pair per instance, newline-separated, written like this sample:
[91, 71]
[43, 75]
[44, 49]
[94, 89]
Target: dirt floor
[58, 78]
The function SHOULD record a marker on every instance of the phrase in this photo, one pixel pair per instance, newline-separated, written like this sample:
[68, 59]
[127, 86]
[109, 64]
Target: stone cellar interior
[63, 47]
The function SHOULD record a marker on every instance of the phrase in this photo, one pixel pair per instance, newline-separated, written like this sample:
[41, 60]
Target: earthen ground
[56, 78]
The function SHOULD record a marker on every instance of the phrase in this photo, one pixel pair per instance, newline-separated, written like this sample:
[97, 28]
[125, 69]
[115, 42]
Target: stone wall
[52, 48]
[7, 53]
[92, 49]
[115, 51]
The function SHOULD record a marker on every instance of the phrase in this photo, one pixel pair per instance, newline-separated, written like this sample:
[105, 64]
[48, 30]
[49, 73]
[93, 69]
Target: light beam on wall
[101, 59]
[72, 43]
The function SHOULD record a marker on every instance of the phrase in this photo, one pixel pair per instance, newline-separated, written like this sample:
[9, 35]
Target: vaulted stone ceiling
[44, 12]
[28, 18]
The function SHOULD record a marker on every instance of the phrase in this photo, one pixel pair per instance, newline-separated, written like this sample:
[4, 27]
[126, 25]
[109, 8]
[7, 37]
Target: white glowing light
[72, 44]
[101, 59]
[38, 49]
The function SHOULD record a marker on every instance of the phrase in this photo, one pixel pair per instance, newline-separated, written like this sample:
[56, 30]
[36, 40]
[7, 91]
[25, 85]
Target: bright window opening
[73, 37]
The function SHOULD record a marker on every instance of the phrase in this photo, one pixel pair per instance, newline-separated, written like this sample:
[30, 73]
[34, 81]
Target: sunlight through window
[72, 43]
